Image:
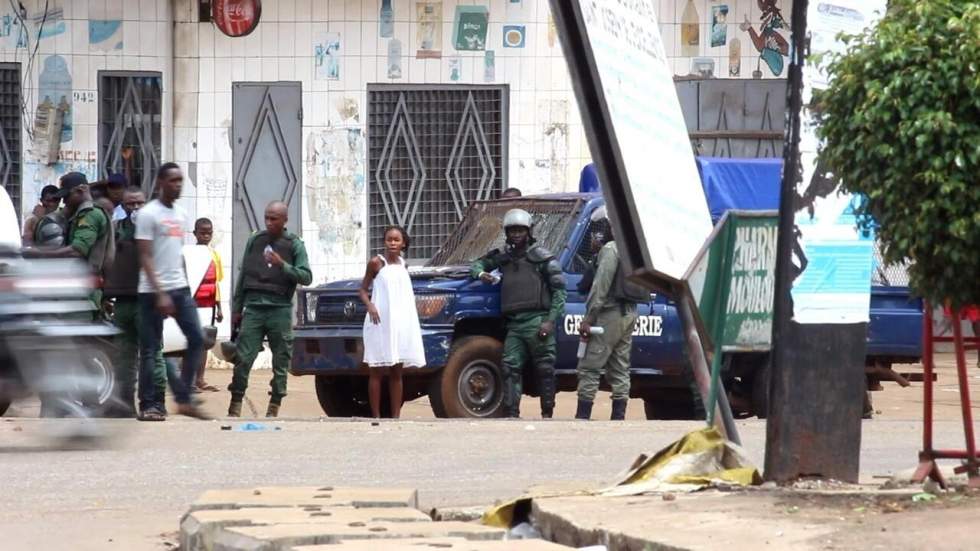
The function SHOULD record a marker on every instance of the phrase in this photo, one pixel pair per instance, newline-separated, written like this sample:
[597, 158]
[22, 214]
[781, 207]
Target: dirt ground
[100, 496]
[301, 401]
[891, 403]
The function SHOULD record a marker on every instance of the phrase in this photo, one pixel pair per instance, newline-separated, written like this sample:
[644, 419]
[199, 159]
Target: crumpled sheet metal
[699, 459]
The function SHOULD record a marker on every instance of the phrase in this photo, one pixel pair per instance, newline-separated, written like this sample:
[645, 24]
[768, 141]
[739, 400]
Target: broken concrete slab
[438, 544]
[286, 536]
[463, 514]
[198, 529]
[306, 496]
[831, 516]
[730, 521]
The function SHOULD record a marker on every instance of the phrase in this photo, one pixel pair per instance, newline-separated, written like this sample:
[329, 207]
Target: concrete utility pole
[816, 385]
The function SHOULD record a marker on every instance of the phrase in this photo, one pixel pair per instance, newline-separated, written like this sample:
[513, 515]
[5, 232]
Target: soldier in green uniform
[122, 298]
[274, 263]
[611, 305]
[89, 232]
[532, 296]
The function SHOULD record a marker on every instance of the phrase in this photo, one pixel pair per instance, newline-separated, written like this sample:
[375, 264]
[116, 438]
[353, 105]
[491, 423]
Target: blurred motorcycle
[49, 343]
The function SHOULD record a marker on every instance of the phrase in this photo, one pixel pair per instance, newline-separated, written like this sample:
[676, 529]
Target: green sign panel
[733, 280]
[470, 28]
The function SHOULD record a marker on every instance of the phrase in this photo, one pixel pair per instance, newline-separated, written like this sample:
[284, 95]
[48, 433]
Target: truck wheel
[338, 396]
[472, 383]
[435, 397]
[4, 404]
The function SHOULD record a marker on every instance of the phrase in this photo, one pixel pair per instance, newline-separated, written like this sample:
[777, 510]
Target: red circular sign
[236, 17]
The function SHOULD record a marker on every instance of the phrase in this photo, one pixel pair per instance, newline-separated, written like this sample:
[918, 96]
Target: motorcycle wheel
[98, 366]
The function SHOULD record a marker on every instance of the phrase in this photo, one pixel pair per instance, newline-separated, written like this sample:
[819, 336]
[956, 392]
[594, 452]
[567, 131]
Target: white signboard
[664, 196]
[833, 259]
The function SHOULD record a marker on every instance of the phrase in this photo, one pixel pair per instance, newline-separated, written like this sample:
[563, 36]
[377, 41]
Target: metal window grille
[889, 275]
[130, 115]
[482, 229]
[10, 133]
[432, 151]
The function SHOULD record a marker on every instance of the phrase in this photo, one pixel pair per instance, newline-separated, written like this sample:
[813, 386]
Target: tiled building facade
[181, 70]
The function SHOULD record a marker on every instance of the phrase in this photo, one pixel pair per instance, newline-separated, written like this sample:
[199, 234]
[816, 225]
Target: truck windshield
[481, 229]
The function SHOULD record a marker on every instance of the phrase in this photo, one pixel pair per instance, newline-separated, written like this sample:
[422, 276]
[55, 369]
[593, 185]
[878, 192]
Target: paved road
[125, 495]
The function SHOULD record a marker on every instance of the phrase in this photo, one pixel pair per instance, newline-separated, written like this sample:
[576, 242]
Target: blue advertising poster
[832, 257]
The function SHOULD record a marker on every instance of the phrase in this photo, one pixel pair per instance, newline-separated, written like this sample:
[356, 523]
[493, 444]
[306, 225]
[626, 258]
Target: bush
[901, 126]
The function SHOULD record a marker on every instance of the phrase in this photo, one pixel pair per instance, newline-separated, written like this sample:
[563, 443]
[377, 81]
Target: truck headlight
[312, 300]
[430, 306]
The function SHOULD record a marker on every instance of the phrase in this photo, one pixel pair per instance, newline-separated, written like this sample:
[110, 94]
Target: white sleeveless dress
[398, 338]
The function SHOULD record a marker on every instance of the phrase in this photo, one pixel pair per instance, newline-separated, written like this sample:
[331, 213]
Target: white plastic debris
[523, 531]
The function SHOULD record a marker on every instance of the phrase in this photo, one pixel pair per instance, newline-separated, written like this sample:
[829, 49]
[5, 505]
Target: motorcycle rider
[52, 227]
[532, 296]
[89, 234]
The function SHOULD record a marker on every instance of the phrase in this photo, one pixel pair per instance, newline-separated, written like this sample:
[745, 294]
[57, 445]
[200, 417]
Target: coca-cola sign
[236, 17]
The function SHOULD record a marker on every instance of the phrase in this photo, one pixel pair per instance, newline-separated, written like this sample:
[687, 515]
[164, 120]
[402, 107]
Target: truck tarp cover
[742, 184]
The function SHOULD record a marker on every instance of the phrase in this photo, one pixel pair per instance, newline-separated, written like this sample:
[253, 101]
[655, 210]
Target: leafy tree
[901, 126]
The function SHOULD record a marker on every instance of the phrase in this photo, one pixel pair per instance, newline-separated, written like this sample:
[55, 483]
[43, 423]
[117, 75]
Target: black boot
[546, 386]
[618, 409]
[584, 410]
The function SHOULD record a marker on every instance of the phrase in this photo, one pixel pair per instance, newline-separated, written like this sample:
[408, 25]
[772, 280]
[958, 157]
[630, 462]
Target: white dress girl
[397, 339]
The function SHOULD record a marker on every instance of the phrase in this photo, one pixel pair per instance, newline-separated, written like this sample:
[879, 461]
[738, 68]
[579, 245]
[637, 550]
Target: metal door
[267, 121]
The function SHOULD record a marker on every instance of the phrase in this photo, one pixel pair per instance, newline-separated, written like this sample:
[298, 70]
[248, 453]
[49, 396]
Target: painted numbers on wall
[83, 96]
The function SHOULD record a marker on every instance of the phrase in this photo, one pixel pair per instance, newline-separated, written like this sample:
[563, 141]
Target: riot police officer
[532, 296]
[611, 304]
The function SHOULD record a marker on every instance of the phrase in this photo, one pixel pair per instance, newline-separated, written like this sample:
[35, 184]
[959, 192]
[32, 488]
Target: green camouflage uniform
[269, 315]
[88, 232]
[522, 342]
[611, 350]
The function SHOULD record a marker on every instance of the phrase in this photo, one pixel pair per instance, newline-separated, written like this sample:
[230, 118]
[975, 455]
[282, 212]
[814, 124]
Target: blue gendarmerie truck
[463, 331]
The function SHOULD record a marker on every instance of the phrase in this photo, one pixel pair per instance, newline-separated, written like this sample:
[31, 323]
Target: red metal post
[964, 381]
[927, 457]
[927, 371]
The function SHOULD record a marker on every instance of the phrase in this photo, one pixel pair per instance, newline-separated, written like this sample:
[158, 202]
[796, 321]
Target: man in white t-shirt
[164, 291]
